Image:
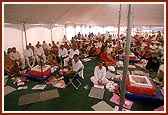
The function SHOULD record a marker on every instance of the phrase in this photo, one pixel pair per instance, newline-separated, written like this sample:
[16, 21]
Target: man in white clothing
[15, 55]
[28, 53]
[76, 65]
[62, 53]
[39, 54]
[99, 75]
[58, 44]
[73, 51]
[45, 46]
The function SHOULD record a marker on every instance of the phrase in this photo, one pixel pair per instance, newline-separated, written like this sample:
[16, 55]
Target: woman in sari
[10, 66]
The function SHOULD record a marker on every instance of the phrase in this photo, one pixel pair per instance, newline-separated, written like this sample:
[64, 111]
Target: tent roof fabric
[86, 14]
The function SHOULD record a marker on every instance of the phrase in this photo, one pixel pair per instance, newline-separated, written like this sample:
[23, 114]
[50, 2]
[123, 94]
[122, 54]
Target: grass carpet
[69, 98]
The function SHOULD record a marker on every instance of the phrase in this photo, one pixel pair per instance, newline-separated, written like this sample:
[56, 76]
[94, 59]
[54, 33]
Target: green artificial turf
[70, 99]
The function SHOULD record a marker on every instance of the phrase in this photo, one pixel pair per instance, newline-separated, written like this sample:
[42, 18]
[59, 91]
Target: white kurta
[39, 52]
[76, 66]
[29, 53]
[63, 53]
[17, 56]
[99, 74]
[45, 46]
[71, 54]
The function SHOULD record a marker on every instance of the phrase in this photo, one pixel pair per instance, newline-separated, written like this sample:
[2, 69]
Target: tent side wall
[14, 35]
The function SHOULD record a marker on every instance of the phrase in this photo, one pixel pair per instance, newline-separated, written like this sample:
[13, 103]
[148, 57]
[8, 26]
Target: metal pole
[65, 30]
[25, 32]
[119, 19]
[51, 31]
[75, 30]
[126, 60]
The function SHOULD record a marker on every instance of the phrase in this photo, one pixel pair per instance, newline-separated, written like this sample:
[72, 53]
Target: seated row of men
[99, 71]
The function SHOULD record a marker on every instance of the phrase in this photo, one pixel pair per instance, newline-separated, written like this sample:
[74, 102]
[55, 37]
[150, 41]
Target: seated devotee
[147, 54]
[62, 54]
[108, 59]
[64, 39]
[160, 75]
[161, 50]
[16, 56]
[99, 77]
[28, 53]
[57, 44]
[107, 35]
[55, 49]
[99, 35]
[45, 47]
[32, 47]
[111, 59]
[67, 46]
[114, 43]
[9, 50]
[76, 65]
[109, 49]
[135, 50]
[49, 46]
[143, 45]
[148, 41]
[92, 52]
[38, 43]
[88, 49]
[119, 49]
[159, 37]
[53, 43]
[39, 54]
[153, 46]
[10, 66]
[98, 46]
[82, 50]
[153, 64]
[52, 60]
[73, 51]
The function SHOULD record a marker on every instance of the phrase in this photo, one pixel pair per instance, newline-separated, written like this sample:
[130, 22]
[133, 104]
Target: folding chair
[75, 78]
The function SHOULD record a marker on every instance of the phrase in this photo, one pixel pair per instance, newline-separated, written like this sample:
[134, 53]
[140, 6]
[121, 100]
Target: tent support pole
[119, 19]
[81, 29]
[65, 30]
[126, 60]
[75, 30]
[51, 31]
[24, 32]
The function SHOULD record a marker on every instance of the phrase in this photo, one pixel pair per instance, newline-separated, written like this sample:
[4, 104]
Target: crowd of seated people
[105, 46]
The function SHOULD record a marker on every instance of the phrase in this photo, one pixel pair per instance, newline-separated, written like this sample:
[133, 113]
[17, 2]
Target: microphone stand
[41, 67]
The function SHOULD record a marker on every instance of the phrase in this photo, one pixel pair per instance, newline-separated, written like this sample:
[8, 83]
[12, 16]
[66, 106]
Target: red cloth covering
[139, 89]
[39, 73]
[131, 57]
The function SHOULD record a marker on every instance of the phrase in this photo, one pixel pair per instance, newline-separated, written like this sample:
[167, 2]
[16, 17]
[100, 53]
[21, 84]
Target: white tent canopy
[44, 21]
[87, 14]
